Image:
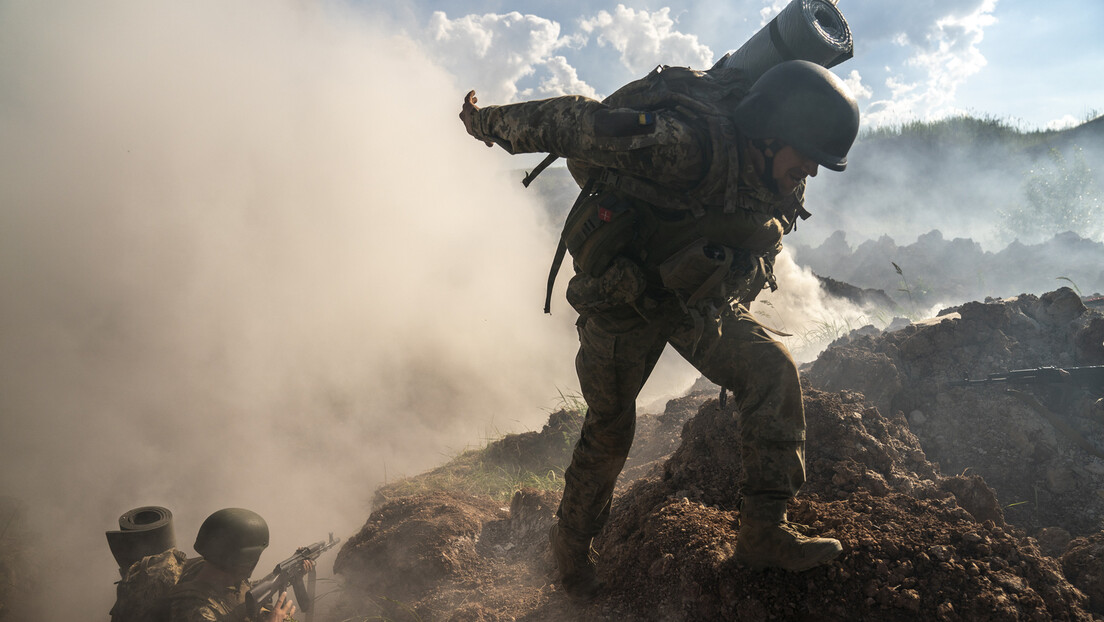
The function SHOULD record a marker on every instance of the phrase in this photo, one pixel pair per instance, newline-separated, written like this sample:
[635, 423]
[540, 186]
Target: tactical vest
[711, 236]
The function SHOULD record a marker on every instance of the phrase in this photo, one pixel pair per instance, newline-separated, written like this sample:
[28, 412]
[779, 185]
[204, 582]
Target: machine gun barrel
[1090, 377]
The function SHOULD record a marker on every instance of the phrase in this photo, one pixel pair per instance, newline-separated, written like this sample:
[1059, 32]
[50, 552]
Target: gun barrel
[1091, 377]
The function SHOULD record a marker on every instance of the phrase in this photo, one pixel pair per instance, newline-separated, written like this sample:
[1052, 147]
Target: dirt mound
[1039, 448]
[533, 451]
[1082, 565]
[452, 557]
[861, 296]
[412, 543]
[657, 436]
[917, 545]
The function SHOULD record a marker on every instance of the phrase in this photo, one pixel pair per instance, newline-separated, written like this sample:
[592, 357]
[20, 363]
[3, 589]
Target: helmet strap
[769, 151]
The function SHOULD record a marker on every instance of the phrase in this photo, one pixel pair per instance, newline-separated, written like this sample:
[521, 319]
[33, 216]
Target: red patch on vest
[605, 214]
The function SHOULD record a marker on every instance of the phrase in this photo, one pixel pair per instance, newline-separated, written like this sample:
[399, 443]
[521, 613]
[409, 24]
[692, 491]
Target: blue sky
[1033, 64]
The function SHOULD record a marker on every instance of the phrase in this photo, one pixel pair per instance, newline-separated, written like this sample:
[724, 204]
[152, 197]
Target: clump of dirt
[1083, 564]
[534, 451]
[1041, 448]
[413, 543]
[861, 296]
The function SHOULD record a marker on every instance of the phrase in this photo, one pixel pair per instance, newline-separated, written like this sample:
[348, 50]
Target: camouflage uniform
[198, 601]
[628, 316]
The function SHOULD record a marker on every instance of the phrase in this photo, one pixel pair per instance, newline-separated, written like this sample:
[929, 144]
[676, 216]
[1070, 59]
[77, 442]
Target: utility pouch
[623, 283]
[597, 230]
[698, 271]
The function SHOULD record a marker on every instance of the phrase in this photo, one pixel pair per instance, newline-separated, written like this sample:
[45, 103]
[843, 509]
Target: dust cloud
[965, 178]
[248, 258]
[810, 317]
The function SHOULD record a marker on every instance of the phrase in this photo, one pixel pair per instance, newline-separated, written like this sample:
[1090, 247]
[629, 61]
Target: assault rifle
[1055, 382]
[289, 572]
[1091, 377]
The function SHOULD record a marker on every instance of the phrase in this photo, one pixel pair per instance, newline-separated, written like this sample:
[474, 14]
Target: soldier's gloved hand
[466, 114]
[284, 609]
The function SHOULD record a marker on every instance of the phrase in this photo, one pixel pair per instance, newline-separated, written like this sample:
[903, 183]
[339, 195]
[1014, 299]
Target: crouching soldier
[213, 589]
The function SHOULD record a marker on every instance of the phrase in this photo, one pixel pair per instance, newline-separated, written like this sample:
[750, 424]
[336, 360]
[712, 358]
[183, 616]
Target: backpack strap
[561, 248]
[539, 169]
[650, 193]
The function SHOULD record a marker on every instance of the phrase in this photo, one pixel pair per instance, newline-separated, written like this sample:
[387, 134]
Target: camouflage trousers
[618, 349]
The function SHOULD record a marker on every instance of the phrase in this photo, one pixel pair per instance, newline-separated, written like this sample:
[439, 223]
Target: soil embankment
[924, 484]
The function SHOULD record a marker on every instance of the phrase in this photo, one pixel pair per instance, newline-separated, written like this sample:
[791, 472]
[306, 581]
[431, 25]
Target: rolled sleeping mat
[142, 531]
[812, 30]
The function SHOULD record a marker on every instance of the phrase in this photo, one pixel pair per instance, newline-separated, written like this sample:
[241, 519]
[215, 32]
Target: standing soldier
[690, 181]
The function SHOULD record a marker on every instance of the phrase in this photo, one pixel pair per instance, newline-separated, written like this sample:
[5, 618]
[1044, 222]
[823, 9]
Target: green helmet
[233, 539]
[803, 105]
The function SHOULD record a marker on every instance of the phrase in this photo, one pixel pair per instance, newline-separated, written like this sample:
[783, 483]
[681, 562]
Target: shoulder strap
[561, 248]
[539, 169]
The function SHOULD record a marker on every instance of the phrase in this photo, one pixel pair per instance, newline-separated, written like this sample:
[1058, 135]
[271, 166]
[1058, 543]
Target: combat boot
[574, 564]
[778, 544]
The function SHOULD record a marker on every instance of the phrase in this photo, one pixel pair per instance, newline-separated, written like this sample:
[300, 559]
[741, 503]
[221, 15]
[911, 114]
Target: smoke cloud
[810, 318]
[249, 258]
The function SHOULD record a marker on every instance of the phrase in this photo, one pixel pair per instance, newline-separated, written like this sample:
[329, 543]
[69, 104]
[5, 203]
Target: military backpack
[602, 223]
[143, 594]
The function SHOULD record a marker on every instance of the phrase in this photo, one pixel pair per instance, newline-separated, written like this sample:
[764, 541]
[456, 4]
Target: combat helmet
[233, 539]
[803, 105]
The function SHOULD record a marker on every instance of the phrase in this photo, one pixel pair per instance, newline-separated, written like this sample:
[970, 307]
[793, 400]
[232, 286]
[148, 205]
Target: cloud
[562, 79]
[1063, 123]
[855, 83]
[941, 39]
[494, 52]
[767, 13]
[647, 39]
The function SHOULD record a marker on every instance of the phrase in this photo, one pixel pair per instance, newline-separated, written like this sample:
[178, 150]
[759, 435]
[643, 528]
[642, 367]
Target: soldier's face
[790, 168]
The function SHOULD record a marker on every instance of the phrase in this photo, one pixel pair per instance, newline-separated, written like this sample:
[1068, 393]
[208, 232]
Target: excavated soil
[1041, 448]
[920, 542]
[912, 549]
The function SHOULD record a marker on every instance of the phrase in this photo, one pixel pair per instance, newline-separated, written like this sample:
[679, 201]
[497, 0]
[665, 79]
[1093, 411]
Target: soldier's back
[195, 600]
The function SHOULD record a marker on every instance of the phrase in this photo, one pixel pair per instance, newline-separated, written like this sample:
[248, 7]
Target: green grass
[1072, 284]
[471, 473]
[475, 471]
[962, 129]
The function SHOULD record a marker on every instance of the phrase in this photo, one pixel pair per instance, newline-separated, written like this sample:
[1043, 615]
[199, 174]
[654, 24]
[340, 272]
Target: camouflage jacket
[671, 154]
[198, 601]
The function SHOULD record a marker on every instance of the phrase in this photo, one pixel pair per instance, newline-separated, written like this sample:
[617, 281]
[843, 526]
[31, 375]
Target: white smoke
[806, 313]
[249, 258]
